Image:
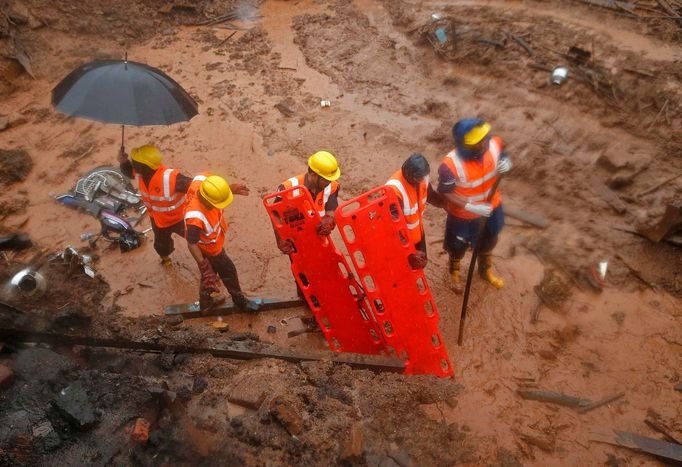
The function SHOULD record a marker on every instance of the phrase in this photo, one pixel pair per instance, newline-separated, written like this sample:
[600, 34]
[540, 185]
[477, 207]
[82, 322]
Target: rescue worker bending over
[465, 177]
[163, 191]
[411, 185]
[205, 229]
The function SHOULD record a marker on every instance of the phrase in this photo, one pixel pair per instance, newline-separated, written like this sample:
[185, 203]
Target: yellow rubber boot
[455, 276]
[485, 269]
[166, 262]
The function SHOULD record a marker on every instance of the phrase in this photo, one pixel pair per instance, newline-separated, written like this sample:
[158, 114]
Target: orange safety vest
[474, 179]
[321, 198]
[166, 206]
[209, 219]
[414, 203]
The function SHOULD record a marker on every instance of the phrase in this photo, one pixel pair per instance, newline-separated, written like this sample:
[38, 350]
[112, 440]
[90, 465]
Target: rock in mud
[75, 407]
[72, 317]
[353, 447]
[284, 412]
[41, 365]
[250, 392]
[15, 164]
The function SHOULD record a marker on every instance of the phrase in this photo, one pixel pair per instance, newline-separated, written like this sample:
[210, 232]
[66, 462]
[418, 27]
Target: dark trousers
[227, 271]
[163, 240]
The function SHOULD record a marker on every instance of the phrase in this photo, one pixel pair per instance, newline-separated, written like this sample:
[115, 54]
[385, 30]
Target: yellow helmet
[148, 155]
[476, 134]
[216, 191]
[324, 164]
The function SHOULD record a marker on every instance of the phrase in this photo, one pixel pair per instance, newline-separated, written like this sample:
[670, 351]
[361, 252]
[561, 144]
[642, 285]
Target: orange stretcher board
[324, 276]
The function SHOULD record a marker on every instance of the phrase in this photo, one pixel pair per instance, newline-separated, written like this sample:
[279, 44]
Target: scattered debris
[284, 109]
[15, 165]
[533, 219]
[271, 329]
[353, 447]
[283, 411]
[325, 103]
[29, 284]
[640, 443]
[15, 242]
[597, 275]
[75, 407]
[678, 387]
[140, 434]
[655, 421]
[669, 223]
[559, 75]
[552, 397]
[600, 403]
[544, 441]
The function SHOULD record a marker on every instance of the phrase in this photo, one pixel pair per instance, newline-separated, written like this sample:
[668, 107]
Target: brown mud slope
[391, 94]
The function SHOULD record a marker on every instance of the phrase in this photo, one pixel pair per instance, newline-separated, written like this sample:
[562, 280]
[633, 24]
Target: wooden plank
[602, 402]
[552, 397]
[535, 220]
[192, 310]
[640, 443]
[234, 350]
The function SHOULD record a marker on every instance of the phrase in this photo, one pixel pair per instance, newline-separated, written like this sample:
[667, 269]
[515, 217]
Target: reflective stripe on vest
[208, 228]
[461, 174]
[166, 209]
[412, 208]
[326, 193]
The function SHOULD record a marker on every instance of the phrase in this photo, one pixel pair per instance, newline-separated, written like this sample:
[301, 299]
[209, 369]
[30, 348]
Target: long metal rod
[474, 256]
[232, 350]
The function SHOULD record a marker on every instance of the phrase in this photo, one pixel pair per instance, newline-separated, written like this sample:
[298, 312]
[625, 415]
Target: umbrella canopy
[123, 92]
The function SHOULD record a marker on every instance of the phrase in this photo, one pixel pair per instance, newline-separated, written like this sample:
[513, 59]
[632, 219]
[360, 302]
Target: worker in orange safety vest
[205, 229]
[163, 191]
[411, 185]
[321, 182]
[465, 178]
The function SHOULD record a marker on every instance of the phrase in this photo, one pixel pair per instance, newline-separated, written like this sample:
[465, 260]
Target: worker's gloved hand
[122, 155]
[209, 279]
[285, 246]
[480, 209]
[326, 225]
[504, 165]
[239, 189]
[417, 260]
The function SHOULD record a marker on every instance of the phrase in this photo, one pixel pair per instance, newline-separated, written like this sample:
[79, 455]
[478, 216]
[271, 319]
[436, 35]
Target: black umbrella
[123, 92]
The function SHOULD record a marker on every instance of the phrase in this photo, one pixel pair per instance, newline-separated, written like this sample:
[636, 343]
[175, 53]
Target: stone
[41, 365]
[199, 385]
[353, 447]
[6, 376]
[284, 412]
[75, 407]
[401, 457]
[250, 391]
[4, 122]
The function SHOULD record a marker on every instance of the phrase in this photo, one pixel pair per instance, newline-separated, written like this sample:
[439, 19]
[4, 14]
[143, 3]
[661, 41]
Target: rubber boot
[455, 276]
[209, 299]
[244, 303]
[166, 262]
[485, 269]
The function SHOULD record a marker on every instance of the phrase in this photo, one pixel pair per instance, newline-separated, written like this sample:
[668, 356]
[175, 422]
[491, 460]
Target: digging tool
[474, 256]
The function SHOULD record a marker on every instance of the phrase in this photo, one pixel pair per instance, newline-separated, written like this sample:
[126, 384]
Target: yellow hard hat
[324, 164]
[476, 134]
[216, 191]
[148, 155]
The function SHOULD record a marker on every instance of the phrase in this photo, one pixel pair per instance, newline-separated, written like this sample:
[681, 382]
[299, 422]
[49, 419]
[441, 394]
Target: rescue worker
[465, 178]
[163, 191]
[321, 182]
[411, 185]
[205, 229]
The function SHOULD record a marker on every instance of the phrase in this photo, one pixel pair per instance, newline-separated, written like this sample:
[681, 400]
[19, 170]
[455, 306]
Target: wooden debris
[612, 4]
[667, 224]
[658, 115]
[602, 402]
[636, 273]
[496, 44]
[641, 443]
[668, 9]
[551, 397]
[655, 421]
[523, 44]
[659, 185]
[535, 220]
[541, 440]
[284, 109]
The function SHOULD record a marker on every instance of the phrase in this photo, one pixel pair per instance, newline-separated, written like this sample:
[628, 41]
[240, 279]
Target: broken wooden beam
[234, 350]
[597, 404]
[552, 397]
[640, 443]
[536, 220]
[612, 4]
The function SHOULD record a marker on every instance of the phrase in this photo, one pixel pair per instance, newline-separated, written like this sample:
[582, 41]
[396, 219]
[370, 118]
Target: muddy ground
[391, 94]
